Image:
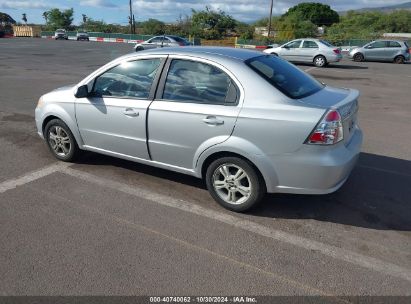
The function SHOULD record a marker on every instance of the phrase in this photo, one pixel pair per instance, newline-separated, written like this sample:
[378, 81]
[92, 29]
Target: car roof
[204, 52]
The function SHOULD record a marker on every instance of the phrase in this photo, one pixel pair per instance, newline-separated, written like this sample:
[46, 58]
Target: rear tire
[235, 184]
[61, 141]
[399, 59]
[358, 57]
[320, 61]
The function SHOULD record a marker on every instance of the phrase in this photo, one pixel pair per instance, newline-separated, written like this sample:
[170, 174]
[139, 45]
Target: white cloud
[98, 3]
[24, 5]
[244, 10]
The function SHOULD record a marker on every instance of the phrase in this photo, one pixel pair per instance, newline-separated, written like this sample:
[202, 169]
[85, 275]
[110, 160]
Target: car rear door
[308, 50]
[393, 49]
[196, 106]
[113, 118]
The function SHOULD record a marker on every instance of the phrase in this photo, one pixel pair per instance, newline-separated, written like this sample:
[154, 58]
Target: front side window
[378, 45]
[284, 76]
[156, 40]
[191, 81]
[310, 45]
[294, 44]
[129, 79]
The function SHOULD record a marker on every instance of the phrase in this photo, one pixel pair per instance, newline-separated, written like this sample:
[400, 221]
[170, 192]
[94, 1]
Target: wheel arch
[64, 117]
[257, 159]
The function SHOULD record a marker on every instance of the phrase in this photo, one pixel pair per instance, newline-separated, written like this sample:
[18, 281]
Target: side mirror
[285, 47]
[82, 91]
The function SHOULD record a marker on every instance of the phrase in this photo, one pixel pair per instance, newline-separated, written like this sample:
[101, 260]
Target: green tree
[317, 13]
[92, 25]
[60, 19]
[244, 30]
[210, 24]
[153, 27]
[369, 25]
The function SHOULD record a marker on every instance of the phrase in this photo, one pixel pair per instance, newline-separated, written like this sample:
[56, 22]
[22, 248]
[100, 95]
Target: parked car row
[321, 53]
[61, 34]
[245, 121]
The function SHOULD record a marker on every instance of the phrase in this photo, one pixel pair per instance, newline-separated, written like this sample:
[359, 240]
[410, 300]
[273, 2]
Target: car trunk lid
[341, 99]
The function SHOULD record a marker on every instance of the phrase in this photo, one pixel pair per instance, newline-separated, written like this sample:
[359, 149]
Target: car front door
[196, 106]
[291, 50]
[375, 51]
[153, 43]
[113, 118]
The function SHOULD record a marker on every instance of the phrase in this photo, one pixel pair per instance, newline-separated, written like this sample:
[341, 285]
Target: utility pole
[131, 17]
[269, 21]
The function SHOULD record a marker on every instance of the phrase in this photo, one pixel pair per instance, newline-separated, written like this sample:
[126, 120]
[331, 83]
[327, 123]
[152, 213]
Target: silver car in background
[161, 41]
[316, 51]
[60, 34]
[245, 121]
[382, 50]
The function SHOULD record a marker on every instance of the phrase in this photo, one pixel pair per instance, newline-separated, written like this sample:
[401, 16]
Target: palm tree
[46, 16]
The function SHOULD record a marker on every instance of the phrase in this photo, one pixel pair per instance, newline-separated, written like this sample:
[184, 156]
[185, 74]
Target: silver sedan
[316, 51]
[246, 122]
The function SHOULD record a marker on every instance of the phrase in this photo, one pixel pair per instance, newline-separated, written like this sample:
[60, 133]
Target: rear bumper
[334, 58]
[316, 169]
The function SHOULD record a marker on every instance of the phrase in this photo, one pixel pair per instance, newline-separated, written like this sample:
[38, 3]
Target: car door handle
[212, 120]
[130, 112]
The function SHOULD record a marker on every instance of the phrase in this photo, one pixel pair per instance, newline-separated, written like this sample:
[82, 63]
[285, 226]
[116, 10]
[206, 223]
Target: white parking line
[31, 176]
[278, 235]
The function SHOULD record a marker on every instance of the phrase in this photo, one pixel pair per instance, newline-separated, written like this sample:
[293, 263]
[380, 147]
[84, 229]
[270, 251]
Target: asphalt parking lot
[104, 226]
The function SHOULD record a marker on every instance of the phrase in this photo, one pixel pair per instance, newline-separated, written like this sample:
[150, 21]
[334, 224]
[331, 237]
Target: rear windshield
[283, 75]
[178, 39]
[326, 43]
[406, 44]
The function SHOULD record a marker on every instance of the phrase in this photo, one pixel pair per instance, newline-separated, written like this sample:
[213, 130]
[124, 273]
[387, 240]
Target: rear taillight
[337, 51]
[329, 130]
[408, 50]
[180, 43]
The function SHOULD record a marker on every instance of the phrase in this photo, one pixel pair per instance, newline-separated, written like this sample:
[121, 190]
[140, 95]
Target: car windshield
[283, 75]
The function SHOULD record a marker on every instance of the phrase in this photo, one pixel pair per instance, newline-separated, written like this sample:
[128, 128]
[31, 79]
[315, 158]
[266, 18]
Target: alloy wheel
[232, 184]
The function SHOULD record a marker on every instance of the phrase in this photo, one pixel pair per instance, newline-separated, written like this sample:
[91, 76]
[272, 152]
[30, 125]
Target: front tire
[320, 61]
[234, 183]
[139, 48]
[61, 141]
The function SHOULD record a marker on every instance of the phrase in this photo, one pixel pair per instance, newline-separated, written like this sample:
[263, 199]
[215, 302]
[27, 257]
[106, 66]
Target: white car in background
[316, 51]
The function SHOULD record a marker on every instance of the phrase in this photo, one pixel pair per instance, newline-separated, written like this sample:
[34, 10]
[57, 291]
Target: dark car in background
[82, 35]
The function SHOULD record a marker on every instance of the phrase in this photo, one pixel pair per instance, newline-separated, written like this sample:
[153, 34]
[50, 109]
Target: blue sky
[116, 11]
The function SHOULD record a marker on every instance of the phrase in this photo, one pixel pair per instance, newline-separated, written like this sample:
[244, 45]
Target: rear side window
[284, 76]
[129, 79]
[310, 45]
[191, 81]
[394, 44]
